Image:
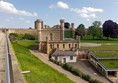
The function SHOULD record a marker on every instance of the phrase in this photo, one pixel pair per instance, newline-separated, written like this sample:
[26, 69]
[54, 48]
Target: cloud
[10, 8]
[87, 12]
[59, 4]
[21, 18]
[28, 21]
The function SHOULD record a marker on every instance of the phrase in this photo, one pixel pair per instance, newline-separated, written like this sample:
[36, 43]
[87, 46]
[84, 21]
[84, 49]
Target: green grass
[106, 54]
[39, 71]
[104, 47]
[110, 63]
[89, 39]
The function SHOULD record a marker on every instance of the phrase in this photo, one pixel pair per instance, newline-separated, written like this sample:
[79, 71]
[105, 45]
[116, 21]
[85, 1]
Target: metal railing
[8, 80]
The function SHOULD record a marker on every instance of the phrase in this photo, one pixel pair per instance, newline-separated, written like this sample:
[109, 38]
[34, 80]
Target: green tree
[95, 30]
[80, 30]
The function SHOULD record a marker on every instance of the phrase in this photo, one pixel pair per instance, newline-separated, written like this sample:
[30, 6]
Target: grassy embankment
[39, 71]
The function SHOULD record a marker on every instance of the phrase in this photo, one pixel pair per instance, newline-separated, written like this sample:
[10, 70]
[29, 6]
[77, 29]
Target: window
[51, 46]
[75, 45]
[63, 45]
[50, 36]
[57, 45]
[71, 57]
[56, 58]
[69, 45]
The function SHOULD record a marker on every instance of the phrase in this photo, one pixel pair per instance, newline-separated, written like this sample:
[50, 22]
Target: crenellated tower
[62, 28]
[38, 26]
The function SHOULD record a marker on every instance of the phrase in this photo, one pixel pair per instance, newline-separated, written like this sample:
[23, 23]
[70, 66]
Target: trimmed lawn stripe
[110, 63]
[39, 71]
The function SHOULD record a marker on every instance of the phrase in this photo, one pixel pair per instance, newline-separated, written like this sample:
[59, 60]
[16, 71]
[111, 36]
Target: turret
[72, 25]
[62, 24]
[38, 24]
[62, 29]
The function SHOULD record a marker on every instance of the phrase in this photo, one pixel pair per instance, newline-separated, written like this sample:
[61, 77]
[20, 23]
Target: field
[105, 47]
[110, 63]
[88, 39]
[106, 54]
[39, 71]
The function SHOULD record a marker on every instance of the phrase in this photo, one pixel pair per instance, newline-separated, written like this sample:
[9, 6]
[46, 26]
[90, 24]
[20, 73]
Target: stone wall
[47, 33]
[23, 31]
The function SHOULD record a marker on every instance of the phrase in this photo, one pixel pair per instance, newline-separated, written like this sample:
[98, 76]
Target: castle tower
[62, 28]
[79, 38]
[72, 27]
[38, 26]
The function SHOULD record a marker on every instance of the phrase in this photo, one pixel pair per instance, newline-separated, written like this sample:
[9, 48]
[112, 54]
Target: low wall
[23, 31]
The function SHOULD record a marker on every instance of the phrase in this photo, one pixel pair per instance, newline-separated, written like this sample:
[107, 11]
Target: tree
[80, 30]
[95, 30]
[110, 29]
[67, 25]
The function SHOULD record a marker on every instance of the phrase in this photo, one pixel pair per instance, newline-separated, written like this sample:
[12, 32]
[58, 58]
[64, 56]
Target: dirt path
[44, 58]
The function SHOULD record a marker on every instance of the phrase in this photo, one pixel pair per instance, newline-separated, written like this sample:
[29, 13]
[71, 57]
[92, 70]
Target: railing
[8, 78]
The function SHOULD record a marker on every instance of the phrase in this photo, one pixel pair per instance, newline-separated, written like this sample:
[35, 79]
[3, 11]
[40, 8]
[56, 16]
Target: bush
[86, 77]
[56, 62]
[28, 37]
[95, 81]
[75, 71]
[13, 36]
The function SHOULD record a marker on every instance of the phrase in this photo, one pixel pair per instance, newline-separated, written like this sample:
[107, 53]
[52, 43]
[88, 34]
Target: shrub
[28, 37]
[95, 81]
[13, 36]
[75, 71]
[86, 77]
[56, 62]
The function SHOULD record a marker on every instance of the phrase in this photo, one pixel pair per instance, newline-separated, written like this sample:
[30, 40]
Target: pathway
[44, 58]
[87, 68]
[2, 58]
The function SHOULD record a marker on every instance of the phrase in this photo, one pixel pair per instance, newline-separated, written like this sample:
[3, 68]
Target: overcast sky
[23, 13]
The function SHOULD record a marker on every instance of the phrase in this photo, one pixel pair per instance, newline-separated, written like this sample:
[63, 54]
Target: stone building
[51, 38]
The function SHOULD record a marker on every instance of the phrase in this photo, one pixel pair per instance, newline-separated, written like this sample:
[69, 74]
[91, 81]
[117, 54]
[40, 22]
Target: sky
[23, 13]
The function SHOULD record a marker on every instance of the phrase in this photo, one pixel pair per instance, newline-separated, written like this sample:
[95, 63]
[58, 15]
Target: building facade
[50, 38]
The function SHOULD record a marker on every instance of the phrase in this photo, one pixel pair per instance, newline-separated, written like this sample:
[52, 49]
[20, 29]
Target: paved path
[2, 58]
[44, 58]
[87, 68]
[89, 44]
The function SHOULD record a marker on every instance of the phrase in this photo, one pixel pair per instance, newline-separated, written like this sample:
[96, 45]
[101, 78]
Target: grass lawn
[104, 47]
[89, 39]
[110, 63]
[39, 71]
[106, 54]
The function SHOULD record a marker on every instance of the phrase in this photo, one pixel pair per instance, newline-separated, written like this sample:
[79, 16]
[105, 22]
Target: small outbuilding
[64, 56]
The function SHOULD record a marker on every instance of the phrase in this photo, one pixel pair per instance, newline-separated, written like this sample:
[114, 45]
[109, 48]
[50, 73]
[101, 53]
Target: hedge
[75, 71]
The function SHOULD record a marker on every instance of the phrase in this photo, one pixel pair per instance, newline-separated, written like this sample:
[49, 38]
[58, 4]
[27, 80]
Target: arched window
[75, 45]
[69, 45]
[57, 45]
[63, 45]
[50, 36]
[51, 46]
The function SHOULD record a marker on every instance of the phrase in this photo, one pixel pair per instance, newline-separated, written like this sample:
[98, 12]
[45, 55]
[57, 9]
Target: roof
[63, 53]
